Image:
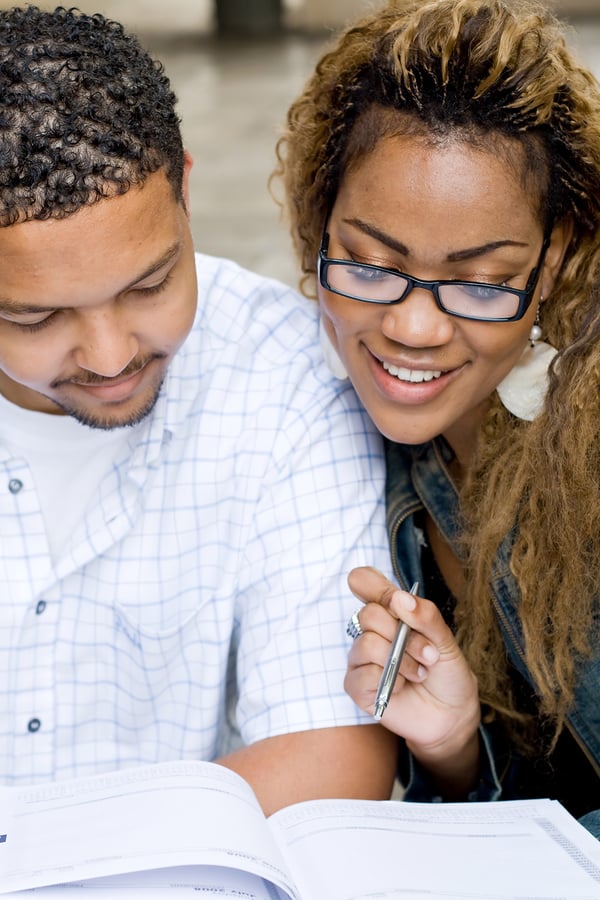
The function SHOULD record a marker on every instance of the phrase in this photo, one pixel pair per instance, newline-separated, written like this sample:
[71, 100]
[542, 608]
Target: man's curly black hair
[85, 112]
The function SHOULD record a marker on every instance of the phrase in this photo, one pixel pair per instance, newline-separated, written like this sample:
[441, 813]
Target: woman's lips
[408, 384]
[414, 376]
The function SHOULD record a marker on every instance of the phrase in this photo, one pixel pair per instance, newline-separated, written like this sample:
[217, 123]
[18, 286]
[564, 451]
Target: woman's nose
[417, 321]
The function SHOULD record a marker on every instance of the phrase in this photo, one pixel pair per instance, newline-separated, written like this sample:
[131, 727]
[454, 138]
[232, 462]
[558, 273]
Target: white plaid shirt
[207, 579]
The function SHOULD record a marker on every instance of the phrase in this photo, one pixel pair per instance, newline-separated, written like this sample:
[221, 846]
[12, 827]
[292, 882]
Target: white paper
[165, 815]
[515, 850]
[171, 829]
[200, 882]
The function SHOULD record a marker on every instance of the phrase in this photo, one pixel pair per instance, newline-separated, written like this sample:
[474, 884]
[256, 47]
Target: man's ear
[555, 254]
[188, 162]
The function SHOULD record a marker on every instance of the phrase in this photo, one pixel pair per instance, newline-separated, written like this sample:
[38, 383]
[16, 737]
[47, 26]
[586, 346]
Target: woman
[442, 174]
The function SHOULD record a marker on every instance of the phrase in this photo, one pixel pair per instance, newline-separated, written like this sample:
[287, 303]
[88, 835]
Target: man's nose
[106, 345]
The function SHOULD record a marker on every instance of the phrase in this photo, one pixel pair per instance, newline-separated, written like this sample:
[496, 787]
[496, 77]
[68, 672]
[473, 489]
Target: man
[184, 488]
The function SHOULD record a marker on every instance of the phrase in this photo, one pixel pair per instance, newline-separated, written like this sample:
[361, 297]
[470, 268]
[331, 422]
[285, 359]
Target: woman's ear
[555, 254]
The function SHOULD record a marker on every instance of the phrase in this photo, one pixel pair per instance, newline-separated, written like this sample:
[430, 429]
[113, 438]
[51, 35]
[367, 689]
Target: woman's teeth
[413, 375]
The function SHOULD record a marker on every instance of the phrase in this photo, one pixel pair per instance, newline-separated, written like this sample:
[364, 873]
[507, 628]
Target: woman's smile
[409, 384]
[413, 376]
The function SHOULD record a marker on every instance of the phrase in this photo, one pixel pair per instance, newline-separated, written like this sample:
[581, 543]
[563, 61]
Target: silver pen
[392, 666]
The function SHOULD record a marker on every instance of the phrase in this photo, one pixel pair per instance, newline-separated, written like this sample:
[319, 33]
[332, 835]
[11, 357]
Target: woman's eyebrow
[454, 256]
[380, 236]
[472, 252]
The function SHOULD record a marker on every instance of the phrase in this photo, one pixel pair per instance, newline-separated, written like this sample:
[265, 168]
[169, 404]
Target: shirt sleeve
[321, 513]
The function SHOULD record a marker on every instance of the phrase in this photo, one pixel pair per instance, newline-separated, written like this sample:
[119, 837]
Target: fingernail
[422, 672]
[406, 601]
[430, 653]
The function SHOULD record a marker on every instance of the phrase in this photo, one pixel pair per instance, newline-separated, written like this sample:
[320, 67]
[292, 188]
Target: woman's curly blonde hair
[497, 73]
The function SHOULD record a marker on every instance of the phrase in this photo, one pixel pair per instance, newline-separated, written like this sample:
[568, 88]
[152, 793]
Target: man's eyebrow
[164, 260]
[455, 256]
[16, 308]
[20, 309]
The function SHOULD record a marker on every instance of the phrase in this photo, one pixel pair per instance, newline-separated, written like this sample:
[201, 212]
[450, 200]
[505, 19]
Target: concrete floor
[233, 96]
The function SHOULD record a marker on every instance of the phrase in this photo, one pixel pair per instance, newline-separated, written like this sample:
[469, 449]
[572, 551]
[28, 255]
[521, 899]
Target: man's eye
[33, 325]
[155, 288]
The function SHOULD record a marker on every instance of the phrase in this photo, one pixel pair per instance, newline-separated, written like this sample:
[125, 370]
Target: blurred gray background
[235, 66]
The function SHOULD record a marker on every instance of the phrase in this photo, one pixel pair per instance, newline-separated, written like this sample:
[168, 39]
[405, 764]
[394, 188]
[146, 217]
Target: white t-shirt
[67, 462]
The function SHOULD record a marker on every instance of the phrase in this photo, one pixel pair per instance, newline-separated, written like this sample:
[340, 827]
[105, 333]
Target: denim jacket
[418, 479]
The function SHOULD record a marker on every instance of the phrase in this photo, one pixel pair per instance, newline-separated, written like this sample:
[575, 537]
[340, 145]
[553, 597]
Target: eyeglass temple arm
[536, 272]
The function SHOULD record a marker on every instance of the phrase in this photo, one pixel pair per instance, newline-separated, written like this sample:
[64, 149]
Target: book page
[153, 817]
[199, 882]
[511, 850]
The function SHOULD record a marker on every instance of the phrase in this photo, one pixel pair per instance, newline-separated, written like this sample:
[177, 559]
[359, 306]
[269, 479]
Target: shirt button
[15, 485]
[34, 725]
[41, 606]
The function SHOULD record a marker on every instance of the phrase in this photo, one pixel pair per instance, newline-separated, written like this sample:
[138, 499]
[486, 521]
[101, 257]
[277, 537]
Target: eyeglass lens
[380, 286]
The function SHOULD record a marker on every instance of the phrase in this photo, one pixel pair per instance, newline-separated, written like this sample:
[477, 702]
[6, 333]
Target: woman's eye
[366, 273]
[481, 292]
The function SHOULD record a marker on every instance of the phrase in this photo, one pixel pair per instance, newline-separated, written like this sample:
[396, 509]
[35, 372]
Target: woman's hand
[435, 703]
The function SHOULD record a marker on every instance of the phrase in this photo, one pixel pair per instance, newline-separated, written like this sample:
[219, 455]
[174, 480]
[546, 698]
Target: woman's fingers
[379, 629]
[382, 616]
[371, 586]
[376, 618]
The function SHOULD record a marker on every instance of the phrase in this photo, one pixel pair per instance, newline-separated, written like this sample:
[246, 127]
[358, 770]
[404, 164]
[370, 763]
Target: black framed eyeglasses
[465, 299]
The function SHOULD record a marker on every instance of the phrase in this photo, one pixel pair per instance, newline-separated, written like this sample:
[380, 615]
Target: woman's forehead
[490, 158]
[434, 200]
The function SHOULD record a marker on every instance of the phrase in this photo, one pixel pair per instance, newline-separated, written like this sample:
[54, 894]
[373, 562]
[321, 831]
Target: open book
[165, 830]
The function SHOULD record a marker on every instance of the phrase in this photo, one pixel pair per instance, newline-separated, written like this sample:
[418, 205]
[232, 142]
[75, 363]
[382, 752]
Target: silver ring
[353, 628]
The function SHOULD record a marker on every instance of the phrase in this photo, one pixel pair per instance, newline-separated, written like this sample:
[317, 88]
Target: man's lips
[91, 379]
[115, 389]
[104, 382]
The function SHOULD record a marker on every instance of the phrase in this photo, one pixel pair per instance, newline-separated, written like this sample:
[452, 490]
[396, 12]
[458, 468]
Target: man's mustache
[85, 378]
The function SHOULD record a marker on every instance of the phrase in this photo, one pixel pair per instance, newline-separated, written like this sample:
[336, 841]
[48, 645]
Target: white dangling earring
[523, 390]
[536, 332]
[330, 354]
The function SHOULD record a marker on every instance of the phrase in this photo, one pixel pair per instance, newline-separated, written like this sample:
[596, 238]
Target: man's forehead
[117, 242]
